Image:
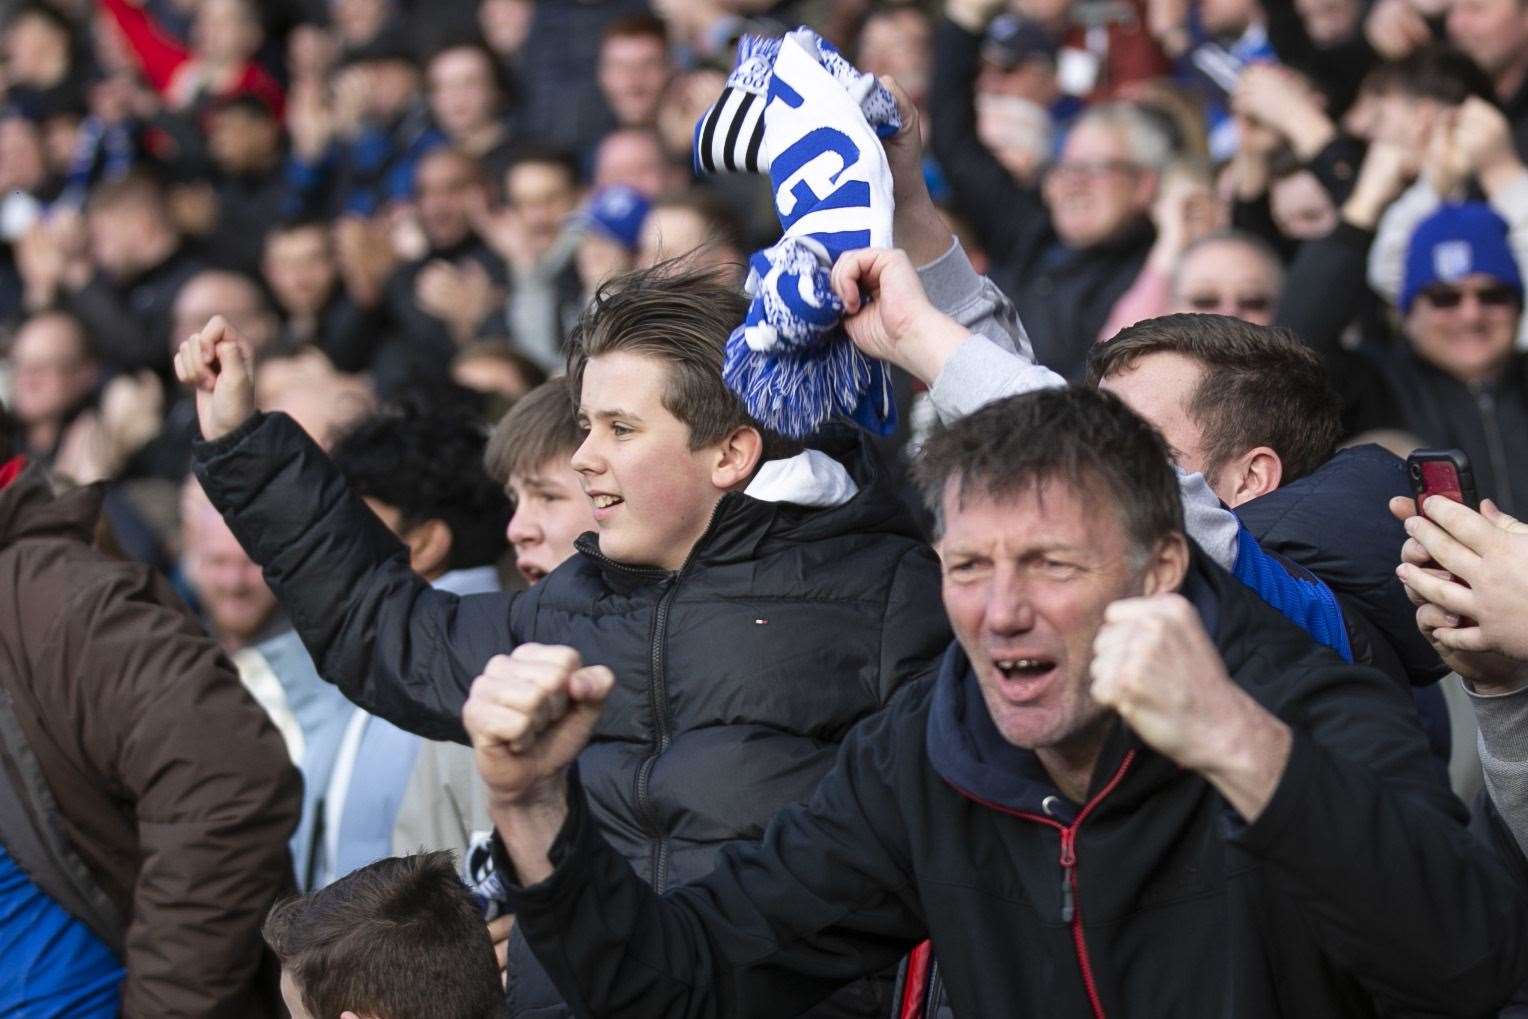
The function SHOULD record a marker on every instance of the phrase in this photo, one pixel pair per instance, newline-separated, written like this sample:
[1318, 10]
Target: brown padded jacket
[146, 760]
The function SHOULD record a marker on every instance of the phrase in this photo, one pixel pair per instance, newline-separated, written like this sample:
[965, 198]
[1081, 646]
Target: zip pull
[1068, 862]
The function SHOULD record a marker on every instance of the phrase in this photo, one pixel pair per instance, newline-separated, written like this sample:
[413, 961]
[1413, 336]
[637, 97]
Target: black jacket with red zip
[1358, 884]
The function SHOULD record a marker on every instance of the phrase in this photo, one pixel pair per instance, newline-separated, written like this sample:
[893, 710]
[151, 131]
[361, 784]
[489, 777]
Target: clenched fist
[216, 363]
[529, 715]
[1154, 664]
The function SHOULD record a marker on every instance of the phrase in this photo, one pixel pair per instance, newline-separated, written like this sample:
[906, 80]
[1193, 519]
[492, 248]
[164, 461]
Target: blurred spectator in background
[635, 158]
[634, 69]
[124, 289]
[43, 59]
[355, 152]
[612, 230]
[534, 234]
[468, 99]
[239, 610]
[445, 287]
[898, 42]
[694, 227]
[301, 270]
[1067, 250]
[54, 375]
[497, 371]
[218, 62]
[247, 189]
[1494, 34]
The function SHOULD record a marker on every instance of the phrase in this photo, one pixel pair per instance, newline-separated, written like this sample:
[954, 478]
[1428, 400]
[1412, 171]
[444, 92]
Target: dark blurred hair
[1081, 437]
[428, 464]
[399, 937]
[1261, 387]
[543, 155]
[540, 427]
[636, 26]
[496, 69]
[1435, 71]
[680, 315]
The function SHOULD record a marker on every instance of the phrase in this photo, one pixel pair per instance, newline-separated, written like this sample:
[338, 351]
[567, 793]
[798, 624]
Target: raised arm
[393, 644]
[827, 896]
[890, 317]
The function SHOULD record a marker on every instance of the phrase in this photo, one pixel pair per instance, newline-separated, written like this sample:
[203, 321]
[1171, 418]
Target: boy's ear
[737, 457]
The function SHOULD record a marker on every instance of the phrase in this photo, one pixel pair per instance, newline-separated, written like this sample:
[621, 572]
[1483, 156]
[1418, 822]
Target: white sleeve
[1387, 256]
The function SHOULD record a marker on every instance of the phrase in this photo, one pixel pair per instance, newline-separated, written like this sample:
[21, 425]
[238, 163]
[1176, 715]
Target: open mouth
[1024, 668]
[530, 571]
[604, 505]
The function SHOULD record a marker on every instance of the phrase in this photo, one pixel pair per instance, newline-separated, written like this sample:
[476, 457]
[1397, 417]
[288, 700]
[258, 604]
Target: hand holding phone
[1446, 473]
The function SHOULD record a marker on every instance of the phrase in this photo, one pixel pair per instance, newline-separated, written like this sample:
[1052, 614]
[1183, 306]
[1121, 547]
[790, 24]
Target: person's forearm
[1247, 769]
[1502, 716]
[528, 830]
[1497, 179]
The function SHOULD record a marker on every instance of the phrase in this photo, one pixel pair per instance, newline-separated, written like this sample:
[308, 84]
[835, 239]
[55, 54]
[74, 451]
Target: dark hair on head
[1081, 437]
[540, 427]
[399, 937]
[1436, 71]
[680, 315]
[470, 41]
[1261, 387]
[636, 26]
[428, 464]
[467, 159]
[528, 153]
[141, 186]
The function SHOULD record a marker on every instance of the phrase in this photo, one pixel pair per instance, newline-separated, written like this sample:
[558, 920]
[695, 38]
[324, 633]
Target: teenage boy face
[652, 495]
[551, 511]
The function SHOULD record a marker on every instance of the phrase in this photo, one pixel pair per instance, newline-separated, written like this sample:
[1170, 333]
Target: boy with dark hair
[529, 453]
[758, 604]
[398, 939]
[421, 472]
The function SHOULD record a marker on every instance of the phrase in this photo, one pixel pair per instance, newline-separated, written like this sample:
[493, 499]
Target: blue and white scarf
[795, 109]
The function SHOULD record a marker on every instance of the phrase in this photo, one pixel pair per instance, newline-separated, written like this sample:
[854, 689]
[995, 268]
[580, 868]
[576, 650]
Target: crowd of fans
[265, 267]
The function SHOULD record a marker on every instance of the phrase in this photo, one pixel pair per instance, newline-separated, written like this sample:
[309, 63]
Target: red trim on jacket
[11, 470]
[1070, 910]
[915, 986]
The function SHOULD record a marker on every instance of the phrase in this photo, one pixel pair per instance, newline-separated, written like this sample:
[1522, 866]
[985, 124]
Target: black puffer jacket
[737, 676]
[1357, 884]
[1336, 523]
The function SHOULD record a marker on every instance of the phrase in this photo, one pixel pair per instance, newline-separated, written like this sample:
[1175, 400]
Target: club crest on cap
[1452, 260]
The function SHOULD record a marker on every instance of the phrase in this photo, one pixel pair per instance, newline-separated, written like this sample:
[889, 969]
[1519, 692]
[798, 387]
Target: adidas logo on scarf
[795, 109]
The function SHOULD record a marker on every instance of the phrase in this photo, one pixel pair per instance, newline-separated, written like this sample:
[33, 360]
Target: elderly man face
[1096, 191]
[230, 587]
[53, 369]
[1228, 277]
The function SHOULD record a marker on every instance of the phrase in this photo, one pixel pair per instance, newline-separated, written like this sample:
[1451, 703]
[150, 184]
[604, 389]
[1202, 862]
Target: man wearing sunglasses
[1458, 380]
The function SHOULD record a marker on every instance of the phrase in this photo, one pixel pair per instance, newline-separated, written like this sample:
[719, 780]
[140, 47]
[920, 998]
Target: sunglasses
[1251, 304]
[1444, 297]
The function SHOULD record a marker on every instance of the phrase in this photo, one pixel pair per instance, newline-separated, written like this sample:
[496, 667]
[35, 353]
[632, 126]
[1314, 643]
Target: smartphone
[1444, 472]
